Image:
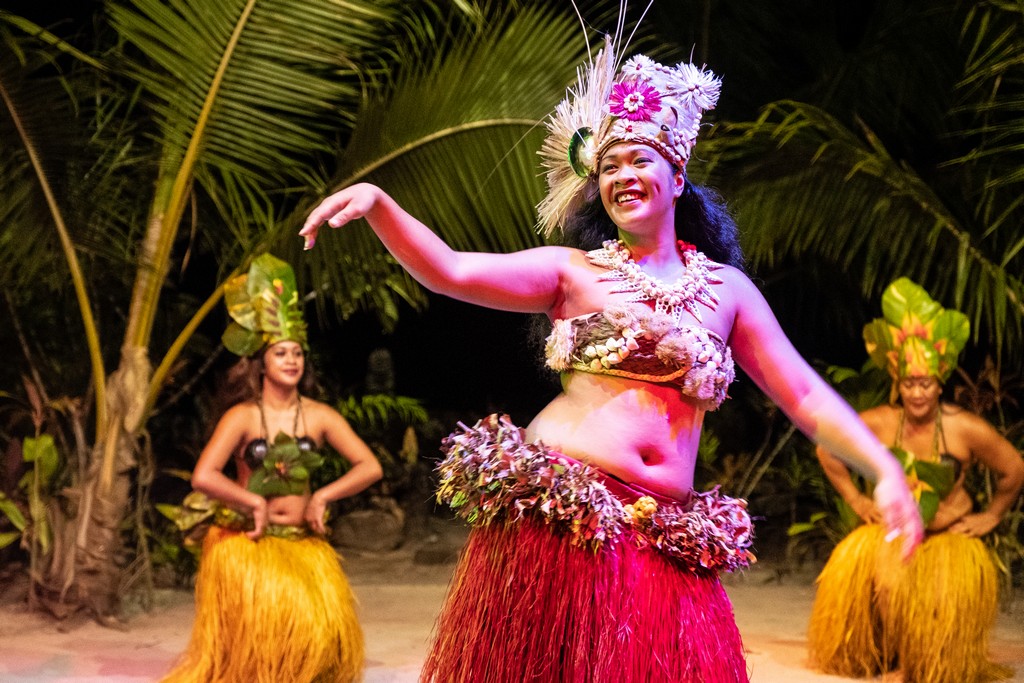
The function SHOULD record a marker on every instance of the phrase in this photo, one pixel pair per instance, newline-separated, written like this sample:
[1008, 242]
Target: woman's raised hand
[338, 209]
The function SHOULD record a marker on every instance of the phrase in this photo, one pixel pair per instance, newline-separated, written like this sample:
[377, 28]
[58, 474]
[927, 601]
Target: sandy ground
[399, 598]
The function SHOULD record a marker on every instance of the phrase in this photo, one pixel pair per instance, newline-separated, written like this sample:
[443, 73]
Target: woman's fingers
[900, 514]
[336, 210]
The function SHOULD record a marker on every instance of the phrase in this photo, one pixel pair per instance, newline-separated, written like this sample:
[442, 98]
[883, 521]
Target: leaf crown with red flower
[644, 101]
[917, 337]
[264, 307]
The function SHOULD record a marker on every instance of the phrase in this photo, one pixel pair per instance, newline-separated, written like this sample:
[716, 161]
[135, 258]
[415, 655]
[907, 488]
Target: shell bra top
[256, 451]
[633, 341]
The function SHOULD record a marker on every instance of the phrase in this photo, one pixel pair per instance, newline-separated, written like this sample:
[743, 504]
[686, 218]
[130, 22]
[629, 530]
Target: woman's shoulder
[737, 292]
[559, 254]
[240, 422]
[733, 276]
[882, 415]
[243, 410]
[319, 413]
[958, 419]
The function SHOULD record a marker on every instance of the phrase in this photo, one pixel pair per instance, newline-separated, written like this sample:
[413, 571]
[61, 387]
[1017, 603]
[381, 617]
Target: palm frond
[804, 185]
[455, 142]
[241, 86]
[991, 106]
[34, 109]
[255, 90]
[264, 84]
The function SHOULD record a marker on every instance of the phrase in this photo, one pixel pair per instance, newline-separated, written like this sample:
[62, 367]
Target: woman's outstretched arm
[769, 358]
[525, 281]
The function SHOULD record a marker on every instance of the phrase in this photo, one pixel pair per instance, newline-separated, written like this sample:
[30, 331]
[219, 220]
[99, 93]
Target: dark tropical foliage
[194, 132]
[142, 163]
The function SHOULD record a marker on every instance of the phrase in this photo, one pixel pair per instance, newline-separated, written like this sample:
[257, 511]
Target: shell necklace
[673, 299]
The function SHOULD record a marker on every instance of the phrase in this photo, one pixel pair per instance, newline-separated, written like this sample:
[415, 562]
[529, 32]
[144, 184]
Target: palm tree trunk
[84, 572]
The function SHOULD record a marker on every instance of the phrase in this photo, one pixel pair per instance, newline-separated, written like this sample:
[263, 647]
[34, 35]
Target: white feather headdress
[644, 101]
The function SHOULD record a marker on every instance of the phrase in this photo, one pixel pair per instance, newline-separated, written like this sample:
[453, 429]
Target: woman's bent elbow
[199, 481]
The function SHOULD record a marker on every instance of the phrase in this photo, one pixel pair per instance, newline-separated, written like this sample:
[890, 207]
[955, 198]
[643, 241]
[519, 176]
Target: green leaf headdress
[264, 306]
[642, 101]
[916, 336]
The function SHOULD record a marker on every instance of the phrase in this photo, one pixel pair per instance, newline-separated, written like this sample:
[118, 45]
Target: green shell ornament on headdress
[264, 307]
[916, 336]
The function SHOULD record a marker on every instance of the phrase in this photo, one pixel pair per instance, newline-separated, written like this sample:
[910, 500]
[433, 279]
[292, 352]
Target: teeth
[629, 196]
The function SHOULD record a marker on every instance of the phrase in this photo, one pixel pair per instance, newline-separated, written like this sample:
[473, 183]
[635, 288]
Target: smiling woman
[634, 179]
[592, 557]
[272, 603]
[932, 617]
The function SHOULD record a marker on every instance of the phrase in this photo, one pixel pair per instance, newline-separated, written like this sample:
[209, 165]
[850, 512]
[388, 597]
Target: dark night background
[460, 357]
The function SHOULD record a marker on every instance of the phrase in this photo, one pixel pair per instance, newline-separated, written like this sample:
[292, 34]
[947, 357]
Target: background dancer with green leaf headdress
[931, 618]
[591, 557]
[272, 603]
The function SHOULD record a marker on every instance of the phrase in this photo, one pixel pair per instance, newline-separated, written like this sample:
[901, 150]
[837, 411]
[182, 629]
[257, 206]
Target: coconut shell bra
[281, 467]
[633, 341]
[256, 451]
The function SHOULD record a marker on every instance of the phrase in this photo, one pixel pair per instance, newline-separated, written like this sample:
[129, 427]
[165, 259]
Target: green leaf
[257, 479]
[938, 475]
[8, 538]
[240, 341]
[41, 532]
[904, 457]
[171, 512]
[928, 504]
[184, 517]
[184, 475]
[12, 512]
[800, 528]
[43, 452]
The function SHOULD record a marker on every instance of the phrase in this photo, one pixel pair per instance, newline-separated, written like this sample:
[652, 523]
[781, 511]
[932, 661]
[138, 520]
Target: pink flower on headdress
[635, 101]
[641, 67]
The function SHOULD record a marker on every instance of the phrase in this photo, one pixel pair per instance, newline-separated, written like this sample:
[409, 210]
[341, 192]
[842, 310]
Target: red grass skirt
[526, 604]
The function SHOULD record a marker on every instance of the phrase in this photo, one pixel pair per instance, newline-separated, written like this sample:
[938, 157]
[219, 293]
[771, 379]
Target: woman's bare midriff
[643, 433]
[287, 510]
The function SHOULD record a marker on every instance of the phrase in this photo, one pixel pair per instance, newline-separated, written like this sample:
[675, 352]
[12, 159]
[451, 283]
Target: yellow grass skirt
[930, 618]
[270, 611]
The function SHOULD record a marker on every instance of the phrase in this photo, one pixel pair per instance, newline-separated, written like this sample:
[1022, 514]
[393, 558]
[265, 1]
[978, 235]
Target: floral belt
[490, 472]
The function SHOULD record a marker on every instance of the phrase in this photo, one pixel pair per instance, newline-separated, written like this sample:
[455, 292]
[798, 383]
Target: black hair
[702, 218]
